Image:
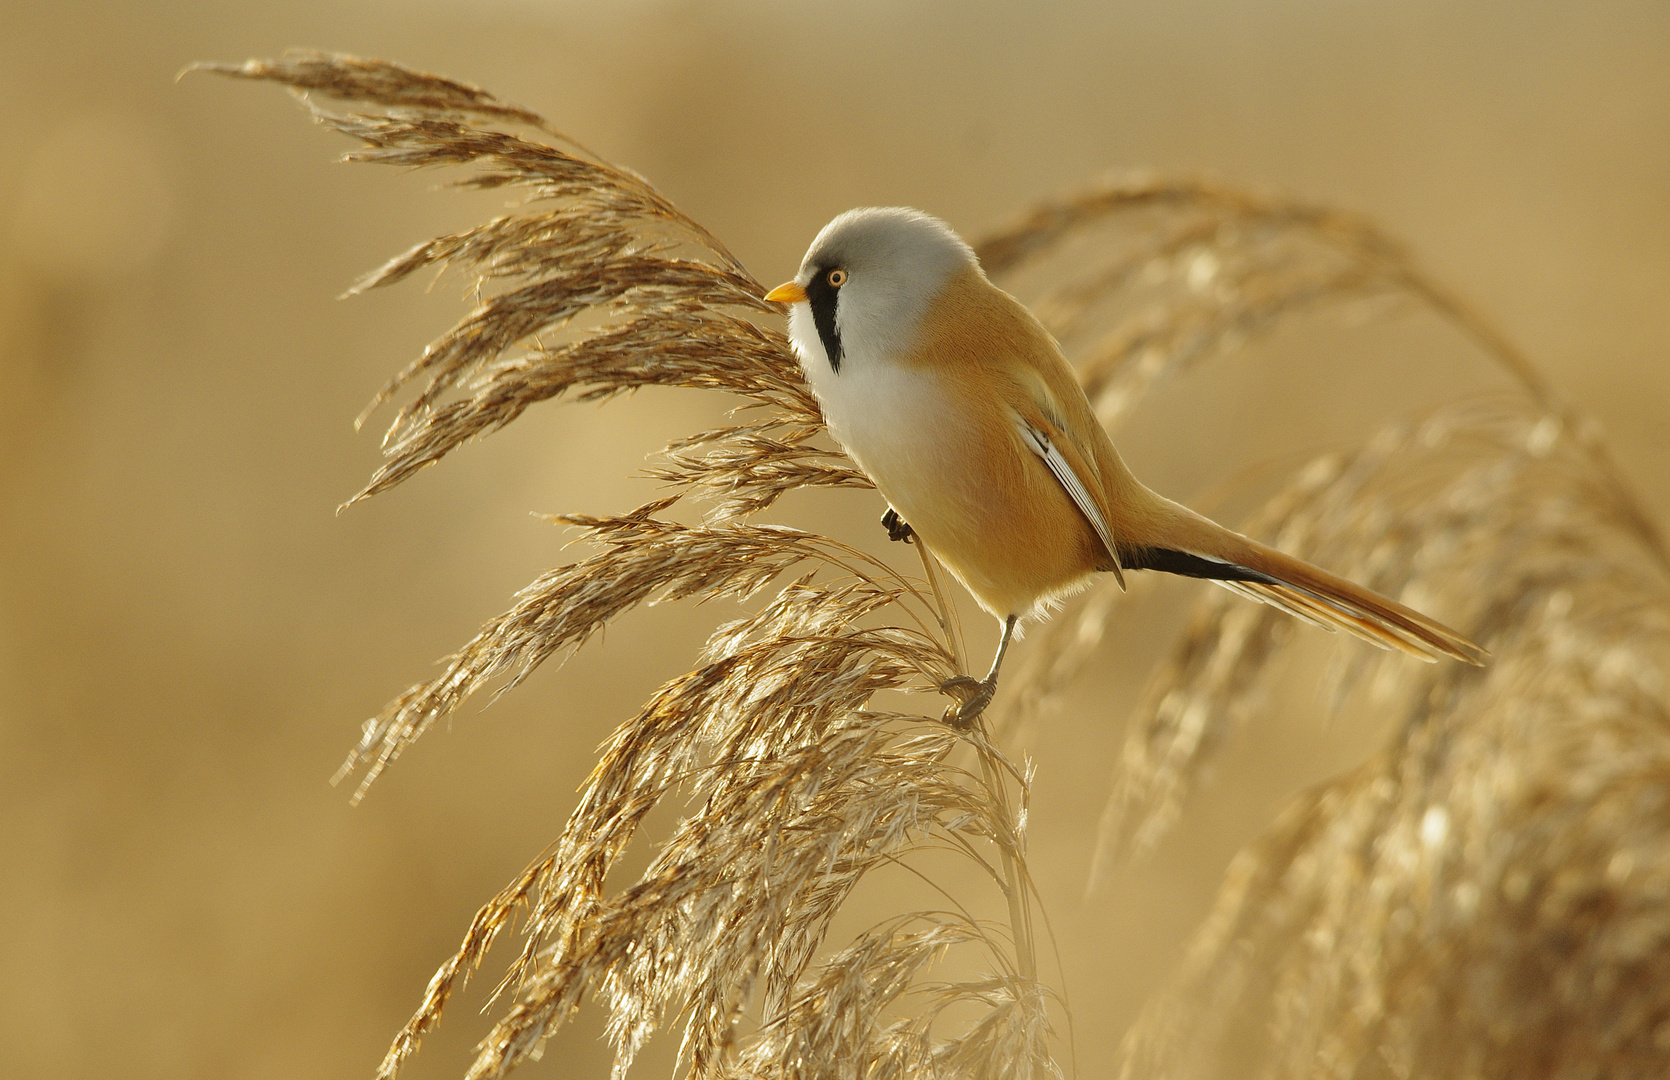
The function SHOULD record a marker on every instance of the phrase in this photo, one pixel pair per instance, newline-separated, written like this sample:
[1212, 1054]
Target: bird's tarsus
[896, 529]
[973, 695]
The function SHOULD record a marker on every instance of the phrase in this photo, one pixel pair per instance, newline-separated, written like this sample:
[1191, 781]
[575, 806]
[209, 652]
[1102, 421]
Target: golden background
[189, 637]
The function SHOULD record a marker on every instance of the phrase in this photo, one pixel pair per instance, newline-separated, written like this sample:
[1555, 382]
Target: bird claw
[973, 695]
[896, 529]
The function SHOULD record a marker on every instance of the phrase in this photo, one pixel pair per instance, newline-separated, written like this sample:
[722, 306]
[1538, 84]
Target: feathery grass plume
[795, 787]
[597, 239]
[1487, 896]
[1165, 273]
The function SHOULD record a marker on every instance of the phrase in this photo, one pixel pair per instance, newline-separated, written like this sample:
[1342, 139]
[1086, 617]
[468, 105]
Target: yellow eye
[837, 278]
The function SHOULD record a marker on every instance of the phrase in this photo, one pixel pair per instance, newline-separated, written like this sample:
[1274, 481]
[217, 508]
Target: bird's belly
[958, 473]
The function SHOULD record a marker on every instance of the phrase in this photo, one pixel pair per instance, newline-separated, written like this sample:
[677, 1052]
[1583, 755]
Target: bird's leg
[896, 529]
[974, 695]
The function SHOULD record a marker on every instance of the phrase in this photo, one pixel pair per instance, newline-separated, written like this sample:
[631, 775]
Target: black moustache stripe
[821, 294]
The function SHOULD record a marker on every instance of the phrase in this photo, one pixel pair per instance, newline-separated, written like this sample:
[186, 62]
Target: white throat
[875, 406]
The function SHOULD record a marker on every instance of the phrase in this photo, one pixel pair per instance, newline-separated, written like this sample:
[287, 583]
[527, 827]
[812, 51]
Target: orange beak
[787, 293]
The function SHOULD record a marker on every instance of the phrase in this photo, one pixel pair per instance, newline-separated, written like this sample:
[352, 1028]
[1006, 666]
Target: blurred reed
[1486, 896]
[1489, 894]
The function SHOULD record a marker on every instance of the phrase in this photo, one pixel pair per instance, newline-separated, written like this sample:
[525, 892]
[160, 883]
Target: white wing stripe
[1041, 445]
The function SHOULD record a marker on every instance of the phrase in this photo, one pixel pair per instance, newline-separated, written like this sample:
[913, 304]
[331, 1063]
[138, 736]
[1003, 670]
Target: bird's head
[865, 284]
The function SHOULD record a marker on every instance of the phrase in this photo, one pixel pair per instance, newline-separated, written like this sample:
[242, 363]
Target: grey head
[869, 277]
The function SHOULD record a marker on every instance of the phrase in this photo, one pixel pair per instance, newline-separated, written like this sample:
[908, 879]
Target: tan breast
[957, 469]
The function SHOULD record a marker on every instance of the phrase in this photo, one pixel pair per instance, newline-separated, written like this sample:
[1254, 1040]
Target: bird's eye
[837, 278]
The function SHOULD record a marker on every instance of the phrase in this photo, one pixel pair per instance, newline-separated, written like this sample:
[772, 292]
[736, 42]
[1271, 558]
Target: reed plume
[795, 786]
[1486, 896]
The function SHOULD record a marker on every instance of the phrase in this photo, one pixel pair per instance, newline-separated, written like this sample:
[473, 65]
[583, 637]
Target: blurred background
[189, 636]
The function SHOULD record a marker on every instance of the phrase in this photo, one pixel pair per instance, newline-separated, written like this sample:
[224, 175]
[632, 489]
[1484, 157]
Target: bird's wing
[1068, 466]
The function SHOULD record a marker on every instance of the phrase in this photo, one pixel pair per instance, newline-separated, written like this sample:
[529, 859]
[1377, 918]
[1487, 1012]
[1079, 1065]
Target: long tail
[1194, 546]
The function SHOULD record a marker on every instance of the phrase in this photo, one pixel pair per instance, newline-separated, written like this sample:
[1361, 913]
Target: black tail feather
[1316, 597]
[1183, 563]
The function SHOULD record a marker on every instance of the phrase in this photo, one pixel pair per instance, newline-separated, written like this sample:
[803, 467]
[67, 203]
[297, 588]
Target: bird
[958, 404]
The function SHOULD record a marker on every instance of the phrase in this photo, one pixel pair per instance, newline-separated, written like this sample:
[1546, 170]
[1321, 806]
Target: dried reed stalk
[795, 788]
[1489, 895]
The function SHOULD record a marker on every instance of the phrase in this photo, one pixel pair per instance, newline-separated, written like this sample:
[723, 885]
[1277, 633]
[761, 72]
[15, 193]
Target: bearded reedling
[958, 404]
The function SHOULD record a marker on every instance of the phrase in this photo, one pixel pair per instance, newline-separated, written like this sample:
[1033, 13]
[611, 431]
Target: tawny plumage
[956, 401]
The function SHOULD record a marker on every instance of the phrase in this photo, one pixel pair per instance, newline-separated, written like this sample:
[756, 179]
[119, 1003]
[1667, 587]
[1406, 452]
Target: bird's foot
[896, 529]
[973, 695]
